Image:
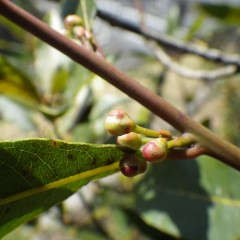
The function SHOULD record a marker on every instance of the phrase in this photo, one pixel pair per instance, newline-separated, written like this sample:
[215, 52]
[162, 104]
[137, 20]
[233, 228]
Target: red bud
[132, 165]
[155, 150]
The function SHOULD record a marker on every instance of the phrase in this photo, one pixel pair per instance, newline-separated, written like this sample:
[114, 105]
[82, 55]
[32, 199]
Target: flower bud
[119, 122]
[132, 165]
[131, 140]
[72, 20]
[155, 150]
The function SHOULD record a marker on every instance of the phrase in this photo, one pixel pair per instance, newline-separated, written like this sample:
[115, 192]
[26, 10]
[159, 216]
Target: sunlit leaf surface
[36, 174]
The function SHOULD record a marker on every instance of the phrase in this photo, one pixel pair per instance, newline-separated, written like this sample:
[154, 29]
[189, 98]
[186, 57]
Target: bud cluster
[76, 29]
[151, 143]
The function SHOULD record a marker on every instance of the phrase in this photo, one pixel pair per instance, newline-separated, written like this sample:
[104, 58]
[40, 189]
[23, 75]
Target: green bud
[131, 140]
[119, 122]
[72, 20]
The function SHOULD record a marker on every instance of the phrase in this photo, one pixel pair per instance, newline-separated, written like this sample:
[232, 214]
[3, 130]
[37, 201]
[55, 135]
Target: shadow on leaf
[172, 199]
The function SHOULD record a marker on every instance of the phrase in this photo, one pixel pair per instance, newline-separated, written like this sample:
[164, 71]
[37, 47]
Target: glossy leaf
[36, 174]
[192, 199]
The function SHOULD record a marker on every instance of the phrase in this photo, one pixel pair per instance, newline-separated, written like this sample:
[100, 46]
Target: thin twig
[139, 6]
[171, 43]
[225, 151]
[205, 75]
[188, 153]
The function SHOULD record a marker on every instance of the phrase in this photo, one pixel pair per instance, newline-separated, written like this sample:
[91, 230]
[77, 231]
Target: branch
[225, 151]
[166, 41]
[210, 75]
[188, 153]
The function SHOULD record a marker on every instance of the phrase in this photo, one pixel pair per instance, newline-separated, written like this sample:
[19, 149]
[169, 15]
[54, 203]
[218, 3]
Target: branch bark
[171, 43]
[205, 75]
[221, 149]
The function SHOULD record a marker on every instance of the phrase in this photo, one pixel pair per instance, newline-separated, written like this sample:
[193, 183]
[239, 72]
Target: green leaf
[17, 32]
[84, 8]
[16, 85]
[12, 42]
[36, 174]
[91, 235]
[148, 230]
[87, 10]
[223, 12]
[194, 27]
[59, 80]
[192, 199]
[49, 62]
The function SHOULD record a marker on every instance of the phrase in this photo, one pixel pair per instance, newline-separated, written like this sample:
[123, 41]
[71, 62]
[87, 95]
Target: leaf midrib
[60, 183]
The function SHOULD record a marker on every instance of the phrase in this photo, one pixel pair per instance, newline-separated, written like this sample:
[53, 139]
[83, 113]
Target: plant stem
[188, 153]
[147, 132]
[152, 133]
[222, 149]
[182, 141]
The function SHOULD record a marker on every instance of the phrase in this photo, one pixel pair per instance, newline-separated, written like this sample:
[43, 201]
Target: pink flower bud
[119, 122]
[155, 150]
[131, 140]
[132, 165]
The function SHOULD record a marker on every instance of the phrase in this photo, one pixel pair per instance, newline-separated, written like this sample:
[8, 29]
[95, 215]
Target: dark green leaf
[12, 38]
[91, 235]
[223, 12]
[148, 230]
[36, 174]
[67, 8]
[193, 199]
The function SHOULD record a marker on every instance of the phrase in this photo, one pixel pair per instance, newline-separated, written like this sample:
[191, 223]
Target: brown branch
[171, 43]
[226, 152]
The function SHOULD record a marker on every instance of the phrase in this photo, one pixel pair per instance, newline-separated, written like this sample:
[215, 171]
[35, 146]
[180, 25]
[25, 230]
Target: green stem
[152, 133]
[170, 144]
[183, 141]
[147, 132]
[145, 140]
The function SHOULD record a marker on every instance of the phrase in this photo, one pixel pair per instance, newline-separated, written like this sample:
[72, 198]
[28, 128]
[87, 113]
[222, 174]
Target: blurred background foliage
[44, 94]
